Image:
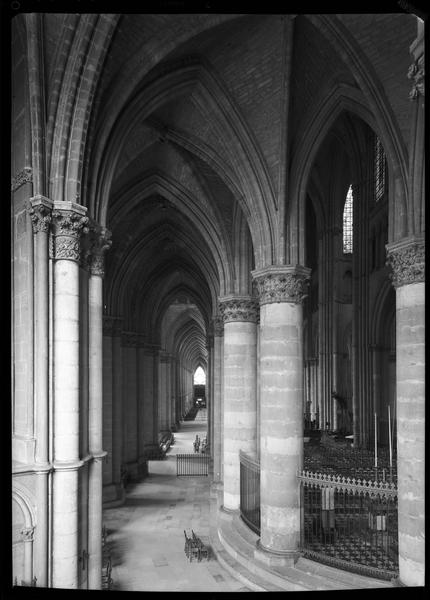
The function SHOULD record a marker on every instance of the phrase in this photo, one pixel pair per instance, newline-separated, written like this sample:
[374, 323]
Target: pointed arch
[342, 98]
[246, 163]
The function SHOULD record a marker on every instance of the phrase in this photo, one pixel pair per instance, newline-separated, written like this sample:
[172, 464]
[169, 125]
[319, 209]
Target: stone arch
[190, 207]
[22, 536]
[385, 125]
[125, 273]
[257, 197]
[72, 102]
[342, 98]
[167, 301]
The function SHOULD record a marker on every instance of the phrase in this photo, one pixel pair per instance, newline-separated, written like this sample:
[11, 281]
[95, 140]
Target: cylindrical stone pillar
[217, 398]
[109, 492]
[281, 292]
[117, 409]
[150, 424]
[68, 222]
[141, 416]
[100, 243]
[163, 390]
[40, 213]
[129, 342]
[408, 264]
[240, 390]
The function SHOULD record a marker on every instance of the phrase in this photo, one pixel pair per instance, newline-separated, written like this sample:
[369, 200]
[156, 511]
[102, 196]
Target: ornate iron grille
[350, 524]
[250, 491]
[192, 465]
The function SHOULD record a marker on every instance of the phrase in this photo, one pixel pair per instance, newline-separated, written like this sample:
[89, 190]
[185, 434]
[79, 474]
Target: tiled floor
[146, 534]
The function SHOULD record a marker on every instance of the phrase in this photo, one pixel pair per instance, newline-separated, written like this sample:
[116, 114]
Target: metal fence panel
[350, 524]
[192, 465]
[250, 492]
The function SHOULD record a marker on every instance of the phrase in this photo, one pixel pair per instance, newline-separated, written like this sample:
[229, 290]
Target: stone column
[150, 400]
[84, 346]
[217, 398]
[40, 213]
[117, 410]
[240, 389]
[210, 390]
[281, 292]
[163, 390]
[109, 492]
[27, 536]
[100, 243]
[129, 342]
[141, 413]
[408, 265]
[69, 222]
[171, 393]
[178, 402]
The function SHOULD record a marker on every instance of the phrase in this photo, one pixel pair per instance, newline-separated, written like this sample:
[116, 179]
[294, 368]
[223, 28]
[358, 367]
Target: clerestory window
[347, 222]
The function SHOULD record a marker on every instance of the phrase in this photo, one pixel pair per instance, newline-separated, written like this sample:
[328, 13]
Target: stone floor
[146, 534]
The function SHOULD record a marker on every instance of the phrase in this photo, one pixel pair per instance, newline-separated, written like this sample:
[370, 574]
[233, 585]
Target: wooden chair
[202, 549]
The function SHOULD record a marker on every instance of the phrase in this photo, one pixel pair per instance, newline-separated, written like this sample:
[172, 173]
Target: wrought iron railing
[350, 523]
[335, 458]
[192, 465]
[250, 491]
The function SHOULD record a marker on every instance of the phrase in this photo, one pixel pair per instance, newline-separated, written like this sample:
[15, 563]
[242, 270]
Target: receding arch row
[189, 344]
[257, 198]
[138, 278]
[209, 228]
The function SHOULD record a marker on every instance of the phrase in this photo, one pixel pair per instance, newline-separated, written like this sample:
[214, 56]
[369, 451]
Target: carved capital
[22, 177]
[27, 534]
[282, 284]
[416, 75]
[100, 241]
[238, 308]
[39, 209]
[69, 223]
[407, 261]
[218, 326]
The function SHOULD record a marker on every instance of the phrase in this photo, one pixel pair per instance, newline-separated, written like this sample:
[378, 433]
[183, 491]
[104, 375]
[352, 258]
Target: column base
[115, 495]
[274, 558]
[228, 511]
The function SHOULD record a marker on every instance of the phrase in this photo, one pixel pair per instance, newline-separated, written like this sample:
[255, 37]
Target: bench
[167, 440]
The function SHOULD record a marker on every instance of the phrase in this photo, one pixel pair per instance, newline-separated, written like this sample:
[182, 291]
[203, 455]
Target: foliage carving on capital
[282, 285]
[407, 262]
[416, 74]
[68, 226]
[27, 534]
[238, 309]
[40, 215]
